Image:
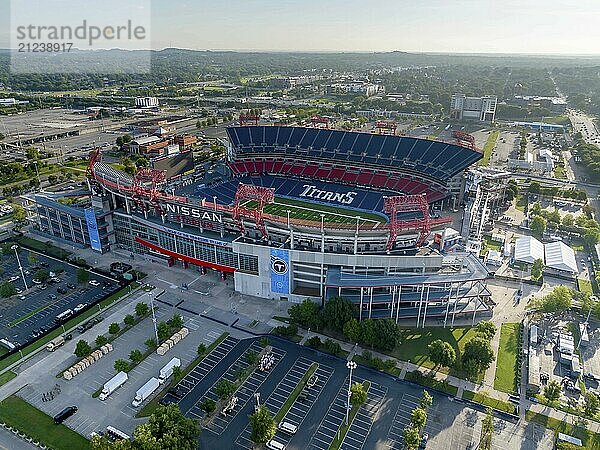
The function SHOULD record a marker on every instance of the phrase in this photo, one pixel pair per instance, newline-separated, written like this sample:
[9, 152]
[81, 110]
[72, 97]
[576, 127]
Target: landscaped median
[151, 406]
[11, 359]
[341, 434]
[492, 402]
[295, 393]
[488, 147]
[20, 415]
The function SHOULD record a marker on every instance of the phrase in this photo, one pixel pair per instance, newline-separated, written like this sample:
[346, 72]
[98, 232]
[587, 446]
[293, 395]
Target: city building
[473, 108]
[146, 102]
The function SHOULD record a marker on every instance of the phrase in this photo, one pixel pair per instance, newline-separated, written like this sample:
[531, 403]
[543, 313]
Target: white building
[146, 102]
[473, 108]
[560, 257]
[528, 249]
[354, 87]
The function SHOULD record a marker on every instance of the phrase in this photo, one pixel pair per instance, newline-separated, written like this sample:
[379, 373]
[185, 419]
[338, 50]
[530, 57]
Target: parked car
[94, 283]
[80, 307]
[71, 286]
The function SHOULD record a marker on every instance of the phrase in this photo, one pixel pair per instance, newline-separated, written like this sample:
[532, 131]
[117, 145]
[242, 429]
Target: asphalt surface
[378, 424]
[39, 300]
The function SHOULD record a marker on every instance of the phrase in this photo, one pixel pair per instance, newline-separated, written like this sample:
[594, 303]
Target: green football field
[312, 211]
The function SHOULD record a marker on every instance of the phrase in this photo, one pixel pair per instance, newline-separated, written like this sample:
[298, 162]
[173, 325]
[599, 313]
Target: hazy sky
[499, 26]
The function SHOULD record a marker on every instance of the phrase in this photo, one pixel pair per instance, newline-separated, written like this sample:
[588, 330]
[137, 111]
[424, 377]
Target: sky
[447, 26]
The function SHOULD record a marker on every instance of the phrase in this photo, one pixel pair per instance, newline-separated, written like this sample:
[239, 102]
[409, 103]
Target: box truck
[113, 384]
[167, 370]
[145, 391]
[55, 343]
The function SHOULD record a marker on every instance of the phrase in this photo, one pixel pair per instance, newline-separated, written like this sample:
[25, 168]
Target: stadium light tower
[15, 247]
[350, 365]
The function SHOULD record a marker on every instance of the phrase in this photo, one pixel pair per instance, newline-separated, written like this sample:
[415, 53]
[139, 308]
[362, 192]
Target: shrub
[82, 349]
[201, 350]
[121, 365]
[332, 347]
[314, 342]
[129, 320]
[114, 328]
[101, 340]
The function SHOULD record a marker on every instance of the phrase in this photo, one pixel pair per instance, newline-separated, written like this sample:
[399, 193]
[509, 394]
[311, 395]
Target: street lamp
[350, 365]
[15, 247]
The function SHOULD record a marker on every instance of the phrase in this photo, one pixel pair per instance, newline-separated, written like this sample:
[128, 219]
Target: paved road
[8, 441]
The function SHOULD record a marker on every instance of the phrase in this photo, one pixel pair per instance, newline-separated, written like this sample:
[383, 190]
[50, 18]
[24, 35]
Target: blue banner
[92, 226]
[280, 271]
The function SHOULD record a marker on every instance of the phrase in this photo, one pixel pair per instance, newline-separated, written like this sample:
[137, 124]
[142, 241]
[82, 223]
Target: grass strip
[341, 434]
[505, 379]
[295, 393]
[492, 402]
[31, 313]
[151, 406]
[11, 359]
[488, 147]
[7, 376]
[19, 414]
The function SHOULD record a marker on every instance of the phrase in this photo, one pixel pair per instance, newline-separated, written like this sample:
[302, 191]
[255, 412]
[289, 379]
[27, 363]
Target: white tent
[528, 249]
[559, 256]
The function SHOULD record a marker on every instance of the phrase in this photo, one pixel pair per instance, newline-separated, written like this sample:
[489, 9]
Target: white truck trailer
[145, 391]
[167, 370]
[113, 384]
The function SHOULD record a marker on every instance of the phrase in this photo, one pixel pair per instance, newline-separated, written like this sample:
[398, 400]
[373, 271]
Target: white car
[94, 283]
[15, 278]
[36, 281]
[80, 307]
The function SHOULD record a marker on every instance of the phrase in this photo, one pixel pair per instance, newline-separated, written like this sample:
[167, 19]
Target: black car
[65, 414]
[61, 290]
[177, 392]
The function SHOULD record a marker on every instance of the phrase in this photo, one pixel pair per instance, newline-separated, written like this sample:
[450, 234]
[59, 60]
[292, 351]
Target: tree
[336, 312]
[486, 328]
[538, 226]
[41, 275]
[208, 406]
[568, 220]
[32, 259]
[201, 350]
[358, 394]
[167, 429]
[101, 340]
[368, 333]
[136, 356]
[552, 391]
[141, 309]
[387, 334]
[412, 438]
[441, 353]
[119, 141]
[487, 431]
[82, 349]
[176, 322]
[129, 320]
[477, 355]
[114, 328]
[418, 418]
[537, 269]
[557, 301]
[305, 314]
[251, 357]
[535, 187]
[121, 365]
[314, 342]
[536, 209]
[150, 343]
[332, 347]
[352, 330]
[591, 237]
[591, 404]
[99, 442]
[19, 214]
[83, 275]
[262, 425]
[163, 330]
[177, 373]
[224, 388]
[7, 289]
[426, 400]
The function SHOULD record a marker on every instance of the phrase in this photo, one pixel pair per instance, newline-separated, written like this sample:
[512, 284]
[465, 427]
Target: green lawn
[414, 342]
[312, 211]
[29, 420]
[521, 203]
[488, 147]
[7, 376]
[489, 401]
[584, 285]
[506, 366]
[591, 441]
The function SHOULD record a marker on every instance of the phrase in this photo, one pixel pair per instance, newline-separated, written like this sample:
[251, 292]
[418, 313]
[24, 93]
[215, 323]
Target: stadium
[308, 213]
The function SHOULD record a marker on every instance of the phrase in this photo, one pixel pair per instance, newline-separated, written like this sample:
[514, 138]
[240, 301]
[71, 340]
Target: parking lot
[116, 410]
[31, 312]
[378, 423]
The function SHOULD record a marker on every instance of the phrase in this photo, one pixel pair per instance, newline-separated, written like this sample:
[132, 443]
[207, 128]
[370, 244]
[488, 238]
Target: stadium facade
[306, 213]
